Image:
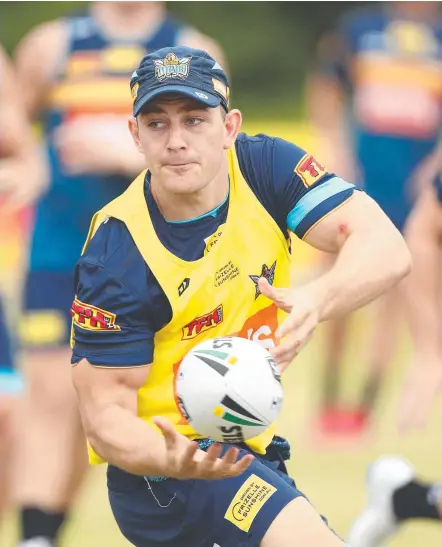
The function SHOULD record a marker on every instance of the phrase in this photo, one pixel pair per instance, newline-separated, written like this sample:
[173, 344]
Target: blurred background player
[394, 494]
[22, 177]
[73, 73]
[376, 103]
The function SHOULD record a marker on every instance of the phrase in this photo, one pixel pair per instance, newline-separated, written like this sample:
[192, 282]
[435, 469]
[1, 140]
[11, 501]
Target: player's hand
[299, 326]
[20, 186]
[95, 144]
[423, 384]
[186, 461]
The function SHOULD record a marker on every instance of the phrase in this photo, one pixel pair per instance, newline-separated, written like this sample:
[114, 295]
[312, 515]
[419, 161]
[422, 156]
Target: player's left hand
[299, 326]
[184, 460]
[422, 385]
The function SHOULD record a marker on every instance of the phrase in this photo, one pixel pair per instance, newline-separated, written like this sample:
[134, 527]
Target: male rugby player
[203, 234]
[394, 492]
[79, 67]
[22, 178]
[376, 102]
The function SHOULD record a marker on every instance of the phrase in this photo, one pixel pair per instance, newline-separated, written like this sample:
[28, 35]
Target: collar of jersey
[213, 213]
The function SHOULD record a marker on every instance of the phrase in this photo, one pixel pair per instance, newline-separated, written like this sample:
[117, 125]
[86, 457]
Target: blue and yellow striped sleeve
[317, 203]
[305, 192]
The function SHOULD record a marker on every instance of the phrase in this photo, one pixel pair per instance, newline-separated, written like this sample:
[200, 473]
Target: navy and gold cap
[182, 70]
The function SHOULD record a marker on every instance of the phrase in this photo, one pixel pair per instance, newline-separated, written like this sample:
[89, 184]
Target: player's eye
[194, 121]
[156, 124]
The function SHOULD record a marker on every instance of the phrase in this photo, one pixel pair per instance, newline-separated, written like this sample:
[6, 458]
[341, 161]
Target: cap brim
[207, 99]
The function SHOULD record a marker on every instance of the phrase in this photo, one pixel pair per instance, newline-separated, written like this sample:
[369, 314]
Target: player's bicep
[358, 213]
[110, 322]
[98, 388]
[315, 202]
[302, 190]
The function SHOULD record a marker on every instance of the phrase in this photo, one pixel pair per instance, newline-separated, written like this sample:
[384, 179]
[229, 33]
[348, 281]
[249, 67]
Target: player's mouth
[180, 166]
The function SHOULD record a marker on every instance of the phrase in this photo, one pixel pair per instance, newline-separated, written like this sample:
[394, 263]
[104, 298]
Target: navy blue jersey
[112, 274]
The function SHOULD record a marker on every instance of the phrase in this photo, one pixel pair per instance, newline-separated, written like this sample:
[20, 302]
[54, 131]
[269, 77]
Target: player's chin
[186, 183]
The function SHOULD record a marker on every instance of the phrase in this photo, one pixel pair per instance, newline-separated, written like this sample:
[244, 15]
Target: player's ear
[134, 131]
[232, 126]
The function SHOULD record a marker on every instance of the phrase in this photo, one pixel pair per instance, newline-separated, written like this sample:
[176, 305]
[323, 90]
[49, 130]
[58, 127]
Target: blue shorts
[48, 298]
[10, 380]
[234, 512]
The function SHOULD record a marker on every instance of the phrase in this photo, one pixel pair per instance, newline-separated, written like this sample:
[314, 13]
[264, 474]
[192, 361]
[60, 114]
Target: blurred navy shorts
[233, 512]
[48, 298]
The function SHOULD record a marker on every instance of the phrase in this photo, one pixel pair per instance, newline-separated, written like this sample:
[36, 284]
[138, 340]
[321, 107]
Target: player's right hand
[186, 461]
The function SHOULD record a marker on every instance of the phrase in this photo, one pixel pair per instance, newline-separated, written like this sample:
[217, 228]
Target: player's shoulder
[261, 154]
[251, 147]
[113, 250]
[43, 47]
[49, 33]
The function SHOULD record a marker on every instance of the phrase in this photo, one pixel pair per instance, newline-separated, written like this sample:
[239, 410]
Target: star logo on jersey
[267, 273]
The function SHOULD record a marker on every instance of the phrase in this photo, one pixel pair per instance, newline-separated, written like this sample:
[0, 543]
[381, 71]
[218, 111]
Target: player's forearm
[126, 441]
[369, 263]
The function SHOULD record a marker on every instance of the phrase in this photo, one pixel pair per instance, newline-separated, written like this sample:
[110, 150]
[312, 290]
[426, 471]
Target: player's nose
[176, 138]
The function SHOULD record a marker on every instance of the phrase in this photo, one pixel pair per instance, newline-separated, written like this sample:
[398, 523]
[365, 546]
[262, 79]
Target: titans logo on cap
[172, 67]
[180, 70]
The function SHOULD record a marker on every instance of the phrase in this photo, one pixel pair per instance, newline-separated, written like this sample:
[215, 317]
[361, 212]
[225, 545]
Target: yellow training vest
[210, 297]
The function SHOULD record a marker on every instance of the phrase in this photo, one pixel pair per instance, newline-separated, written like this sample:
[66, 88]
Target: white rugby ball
[229, 389]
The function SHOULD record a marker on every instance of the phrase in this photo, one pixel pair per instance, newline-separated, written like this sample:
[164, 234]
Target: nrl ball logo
[172, 67]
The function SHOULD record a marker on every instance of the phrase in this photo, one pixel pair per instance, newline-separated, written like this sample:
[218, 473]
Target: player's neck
[133, 21]
[182, 207]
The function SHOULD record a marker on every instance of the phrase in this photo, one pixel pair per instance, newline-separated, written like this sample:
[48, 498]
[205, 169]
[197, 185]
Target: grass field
[331, 477]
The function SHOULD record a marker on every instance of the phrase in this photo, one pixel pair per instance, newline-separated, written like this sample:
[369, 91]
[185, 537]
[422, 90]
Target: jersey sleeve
[304, 191]
[111, 320]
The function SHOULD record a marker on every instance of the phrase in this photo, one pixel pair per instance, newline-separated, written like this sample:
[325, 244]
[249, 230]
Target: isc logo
[203, 323]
